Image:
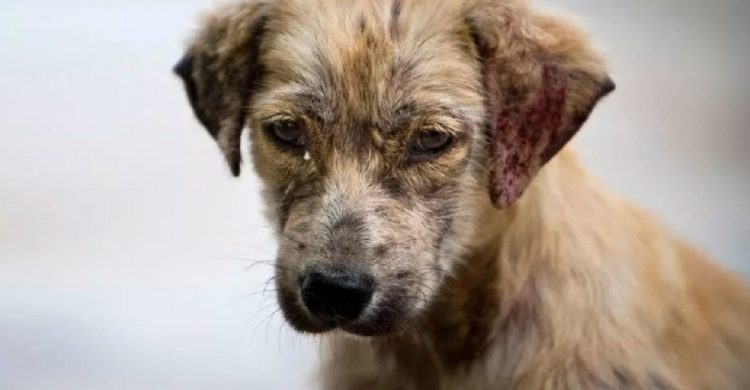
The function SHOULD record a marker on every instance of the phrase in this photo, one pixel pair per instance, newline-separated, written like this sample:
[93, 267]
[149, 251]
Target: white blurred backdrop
[126, 249]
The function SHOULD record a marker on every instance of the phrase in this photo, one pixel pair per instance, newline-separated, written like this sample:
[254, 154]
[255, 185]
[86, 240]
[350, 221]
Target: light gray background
[124, 242]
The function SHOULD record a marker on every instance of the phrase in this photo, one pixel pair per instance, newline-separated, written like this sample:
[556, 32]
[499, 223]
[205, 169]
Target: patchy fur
[497, 262]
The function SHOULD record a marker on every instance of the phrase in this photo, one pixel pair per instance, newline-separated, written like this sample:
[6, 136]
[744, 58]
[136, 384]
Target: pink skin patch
[526, 134]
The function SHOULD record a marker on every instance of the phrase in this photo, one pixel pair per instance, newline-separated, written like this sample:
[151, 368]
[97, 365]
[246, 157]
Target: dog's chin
[383, 322]
[371, 328]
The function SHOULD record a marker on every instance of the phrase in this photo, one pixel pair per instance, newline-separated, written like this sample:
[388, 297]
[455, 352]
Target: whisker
[259, 311]
[265, 286]
[254, 293]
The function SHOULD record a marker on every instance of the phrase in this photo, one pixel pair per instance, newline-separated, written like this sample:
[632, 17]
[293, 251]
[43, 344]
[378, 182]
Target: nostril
[339, 296]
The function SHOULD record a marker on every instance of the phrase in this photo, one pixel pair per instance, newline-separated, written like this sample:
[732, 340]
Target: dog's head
[378, 128]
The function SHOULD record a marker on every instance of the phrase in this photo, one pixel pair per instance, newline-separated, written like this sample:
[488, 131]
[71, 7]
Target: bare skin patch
[523, 132]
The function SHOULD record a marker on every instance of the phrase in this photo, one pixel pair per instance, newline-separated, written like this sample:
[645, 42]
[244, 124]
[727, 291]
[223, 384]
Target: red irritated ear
[542, 80]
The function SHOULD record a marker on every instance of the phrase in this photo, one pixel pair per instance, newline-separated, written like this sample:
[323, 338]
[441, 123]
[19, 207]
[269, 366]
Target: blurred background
[127, 251]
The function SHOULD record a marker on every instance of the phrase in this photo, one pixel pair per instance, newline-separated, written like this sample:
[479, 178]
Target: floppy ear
[220, 69]
[542, 80]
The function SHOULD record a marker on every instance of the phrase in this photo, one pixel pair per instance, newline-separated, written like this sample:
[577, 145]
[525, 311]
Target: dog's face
[377, 129]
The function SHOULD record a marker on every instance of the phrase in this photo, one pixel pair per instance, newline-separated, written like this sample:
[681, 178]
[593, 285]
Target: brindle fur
[500, 264]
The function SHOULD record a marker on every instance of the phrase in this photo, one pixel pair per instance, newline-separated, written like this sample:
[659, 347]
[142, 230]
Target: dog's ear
[542, 80]
[220, 69]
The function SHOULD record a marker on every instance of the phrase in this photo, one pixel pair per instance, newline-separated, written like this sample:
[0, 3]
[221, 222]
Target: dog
[433, 225]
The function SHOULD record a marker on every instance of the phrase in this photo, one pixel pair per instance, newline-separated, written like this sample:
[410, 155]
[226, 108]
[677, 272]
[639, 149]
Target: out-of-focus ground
[125, 245]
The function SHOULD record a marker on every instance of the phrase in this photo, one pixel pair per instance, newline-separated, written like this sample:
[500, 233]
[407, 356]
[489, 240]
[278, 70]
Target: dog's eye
[287, 132]
[429, 144]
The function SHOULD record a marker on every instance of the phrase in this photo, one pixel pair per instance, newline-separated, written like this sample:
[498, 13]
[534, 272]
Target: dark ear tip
[234, 166]
[184, 66]
[608, 85]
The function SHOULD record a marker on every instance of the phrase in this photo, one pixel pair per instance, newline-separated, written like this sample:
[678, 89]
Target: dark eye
[287, 132]
[429, 144]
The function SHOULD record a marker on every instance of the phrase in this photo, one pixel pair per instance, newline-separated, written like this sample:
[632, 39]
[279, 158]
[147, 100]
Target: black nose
[336, 296]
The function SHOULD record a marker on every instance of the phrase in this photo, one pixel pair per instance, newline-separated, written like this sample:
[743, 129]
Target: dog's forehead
[369, 59]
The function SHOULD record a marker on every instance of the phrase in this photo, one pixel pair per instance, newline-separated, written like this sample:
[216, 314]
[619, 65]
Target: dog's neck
[462, 319]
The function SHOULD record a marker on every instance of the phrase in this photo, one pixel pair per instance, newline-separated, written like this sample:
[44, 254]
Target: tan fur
[500, 263]
[578, 290]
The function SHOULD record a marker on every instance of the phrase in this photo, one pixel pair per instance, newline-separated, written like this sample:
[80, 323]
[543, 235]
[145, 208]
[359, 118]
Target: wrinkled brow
[405, 109]
[295, 101]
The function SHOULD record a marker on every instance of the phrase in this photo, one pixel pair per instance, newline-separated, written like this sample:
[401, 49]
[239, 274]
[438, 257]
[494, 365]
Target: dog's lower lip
[372, 328]
[358, 331]
[315, 329]
[351, 327]
[364, 332]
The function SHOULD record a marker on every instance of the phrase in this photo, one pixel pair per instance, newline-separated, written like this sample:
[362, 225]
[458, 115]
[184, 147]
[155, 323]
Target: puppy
[431, 223]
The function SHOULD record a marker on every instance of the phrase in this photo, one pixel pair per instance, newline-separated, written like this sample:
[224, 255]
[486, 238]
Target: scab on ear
[549, 81]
